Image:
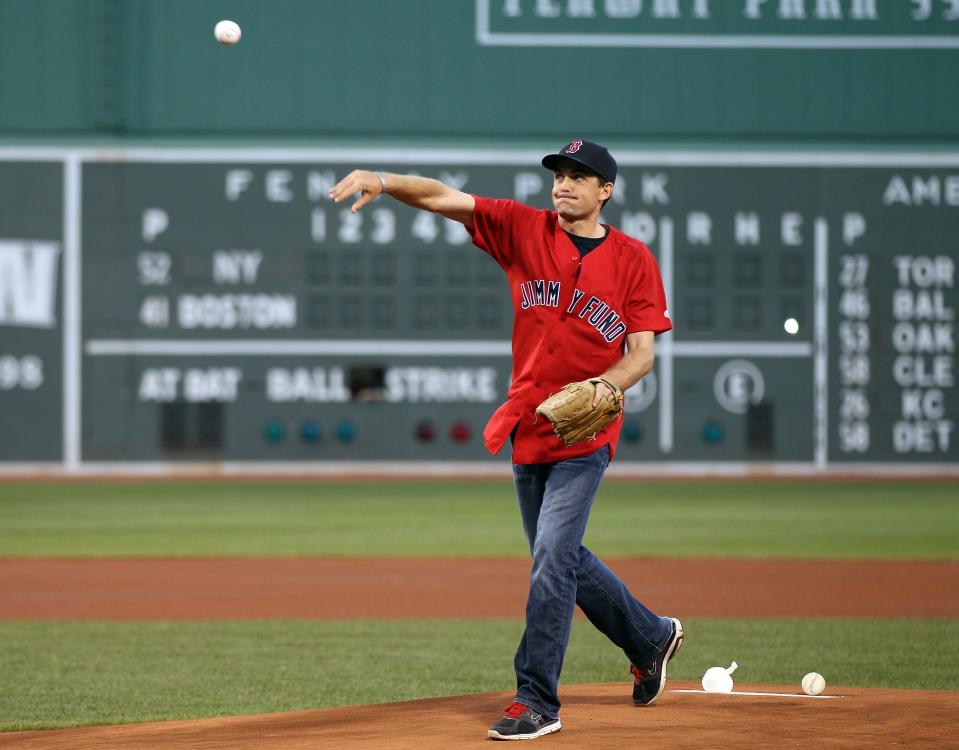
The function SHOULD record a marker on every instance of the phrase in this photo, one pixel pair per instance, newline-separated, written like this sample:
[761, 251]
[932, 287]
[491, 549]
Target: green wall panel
[46, 62]
[473, 68]
[193, 305]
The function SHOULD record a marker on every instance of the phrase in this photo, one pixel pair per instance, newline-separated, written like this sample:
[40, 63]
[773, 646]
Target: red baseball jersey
[571, 315]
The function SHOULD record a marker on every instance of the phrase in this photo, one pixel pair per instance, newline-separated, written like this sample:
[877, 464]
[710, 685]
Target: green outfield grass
[801, 519]
[77, 673]
[65, 673]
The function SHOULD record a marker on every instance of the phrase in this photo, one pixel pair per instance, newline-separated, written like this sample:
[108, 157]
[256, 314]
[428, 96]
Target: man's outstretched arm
[419, 192]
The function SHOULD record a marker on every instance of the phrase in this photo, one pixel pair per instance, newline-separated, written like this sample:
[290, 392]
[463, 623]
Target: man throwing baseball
[587, 302]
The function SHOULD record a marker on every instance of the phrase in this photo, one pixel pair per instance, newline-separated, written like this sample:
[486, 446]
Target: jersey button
[549, 351]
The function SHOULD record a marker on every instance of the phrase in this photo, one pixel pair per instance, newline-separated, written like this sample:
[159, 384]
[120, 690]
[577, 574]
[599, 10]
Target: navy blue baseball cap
[590, 155]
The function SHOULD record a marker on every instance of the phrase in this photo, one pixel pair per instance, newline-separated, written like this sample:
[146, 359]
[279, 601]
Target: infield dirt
[247, 588]
[594, 716]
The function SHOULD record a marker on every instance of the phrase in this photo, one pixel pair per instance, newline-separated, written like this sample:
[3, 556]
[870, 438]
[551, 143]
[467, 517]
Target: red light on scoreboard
[461, 432]
[425, 431]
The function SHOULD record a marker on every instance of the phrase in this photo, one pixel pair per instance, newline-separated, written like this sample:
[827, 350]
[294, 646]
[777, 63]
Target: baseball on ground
[813, 683]
[227, 32]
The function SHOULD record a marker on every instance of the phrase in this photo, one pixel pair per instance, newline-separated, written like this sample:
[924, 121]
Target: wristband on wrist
[382, 182]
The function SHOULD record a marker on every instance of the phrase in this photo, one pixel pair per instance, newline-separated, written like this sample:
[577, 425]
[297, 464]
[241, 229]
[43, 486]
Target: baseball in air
[791, 325]
[813, 683]
[227, 32]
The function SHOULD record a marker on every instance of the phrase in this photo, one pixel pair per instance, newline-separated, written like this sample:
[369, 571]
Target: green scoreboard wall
[210, 306]
[622, 70]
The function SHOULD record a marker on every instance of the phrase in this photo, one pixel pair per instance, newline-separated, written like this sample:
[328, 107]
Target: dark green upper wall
[415, 68]
[45, 67]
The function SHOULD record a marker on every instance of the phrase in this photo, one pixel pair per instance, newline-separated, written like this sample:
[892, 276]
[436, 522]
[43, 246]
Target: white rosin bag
[719, 679]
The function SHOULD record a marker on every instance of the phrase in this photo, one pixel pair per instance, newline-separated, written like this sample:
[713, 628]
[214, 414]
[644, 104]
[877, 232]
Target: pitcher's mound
[594, 716]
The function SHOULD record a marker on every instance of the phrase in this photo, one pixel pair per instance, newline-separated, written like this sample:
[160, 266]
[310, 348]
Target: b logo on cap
[573, 147]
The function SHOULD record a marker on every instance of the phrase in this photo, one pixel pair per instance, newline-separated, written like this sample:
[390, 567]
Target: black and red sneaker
[649, 681]
[522, 723]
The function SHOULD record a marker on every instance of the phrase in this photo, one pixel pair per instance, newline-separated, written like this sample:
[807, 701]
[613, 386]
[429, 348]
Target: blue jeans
[554, 502]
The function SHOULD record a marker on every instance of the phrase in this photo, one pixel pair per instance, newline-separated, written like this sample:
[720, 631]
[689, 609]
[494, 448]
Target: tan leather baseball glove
[572, 413]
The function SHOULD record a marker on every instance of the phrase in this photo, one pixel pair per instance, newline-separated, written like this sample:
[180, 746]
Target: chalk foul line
[763, 695]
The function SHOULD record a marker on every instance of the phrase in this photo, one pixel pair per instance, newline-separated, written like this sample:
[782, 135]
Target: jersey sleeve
[494, 222]
[647, 310]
